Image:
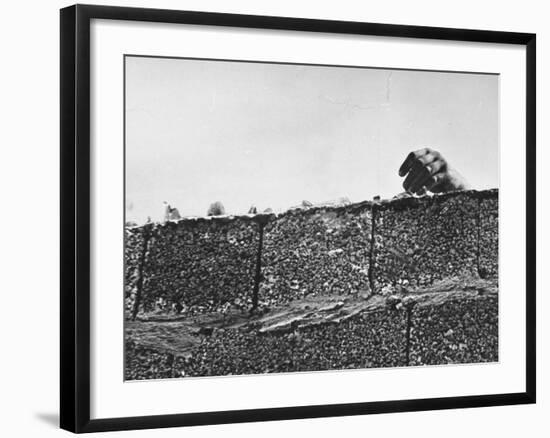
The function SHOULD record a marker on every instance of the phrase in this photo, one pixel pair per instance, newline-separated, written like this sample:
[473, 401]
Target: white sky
[272, 135]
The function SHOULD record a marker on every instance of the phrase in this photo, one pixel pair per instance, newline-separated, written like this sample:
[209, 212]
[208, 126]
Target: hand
[426, 170]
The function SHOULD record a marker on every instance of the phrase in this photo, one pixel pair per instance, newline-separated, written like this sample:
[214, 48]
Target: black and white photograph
[266, 219]
[285, 218]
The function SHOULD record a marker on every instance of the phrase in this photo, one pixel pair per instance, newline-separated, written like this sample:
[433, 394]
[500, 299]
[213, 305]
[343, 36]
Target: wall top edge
[264, 218]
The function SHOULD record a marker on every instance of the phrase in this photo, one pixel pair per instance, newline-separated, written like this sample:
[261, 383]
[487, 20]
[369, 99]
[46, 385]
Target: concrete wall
[394, 283]
[488, 235]
[367, 339]
[316, 251]
[199, 265]
[422, 240]
[215, 264]
[457, 326]
[135, 250]
[458, 330]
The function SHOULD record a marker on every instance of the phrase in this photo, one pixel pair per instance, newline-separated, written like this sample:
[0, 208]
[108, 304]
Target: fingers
[411, 176]
[420, 167]
[436, 166]
[409, 161]
[423, 175]
[419, 172]
[428, 158]
[407, 164]
[423, 169]
[429, 169]
[435, 181]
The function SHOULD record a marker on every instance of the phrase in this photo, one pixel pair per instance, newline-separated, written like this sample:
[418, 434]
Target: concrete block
[315, 251]
[201, 265]
[455, 330]
[422, 240]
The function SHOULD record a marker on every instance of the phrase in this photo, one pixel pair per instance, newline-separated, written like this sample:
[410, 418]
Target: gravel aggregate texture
[488, 236]
[457, 324]
[314, 251]
[365, 340]
[456, 331]
[134, 249]
[200, 265]
[404, 282]
[144, 363]
[422, 240]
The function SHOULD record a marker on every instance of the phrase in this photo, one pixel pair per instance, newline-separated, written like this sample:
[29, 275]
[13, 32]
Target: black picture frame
[75, 217]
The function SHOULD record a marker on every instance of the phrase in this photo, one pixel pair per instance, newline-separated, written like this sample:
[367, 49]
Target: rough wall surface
[488, 238]
[458, 331]
[350, 337]
[143, 363]
[422, 240]
[316, 251]
[200, 265]
[366, 340]
[134, 253]
[393, 283]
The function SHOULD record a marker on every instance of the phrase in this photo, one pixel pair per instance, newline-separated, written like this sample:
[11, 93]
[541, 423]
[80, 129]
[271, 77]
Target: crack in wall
[141, 265]
[258, 274]
[408, 337]
[480, 270]
[408, 353]
[263, 220]
[374, 212]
